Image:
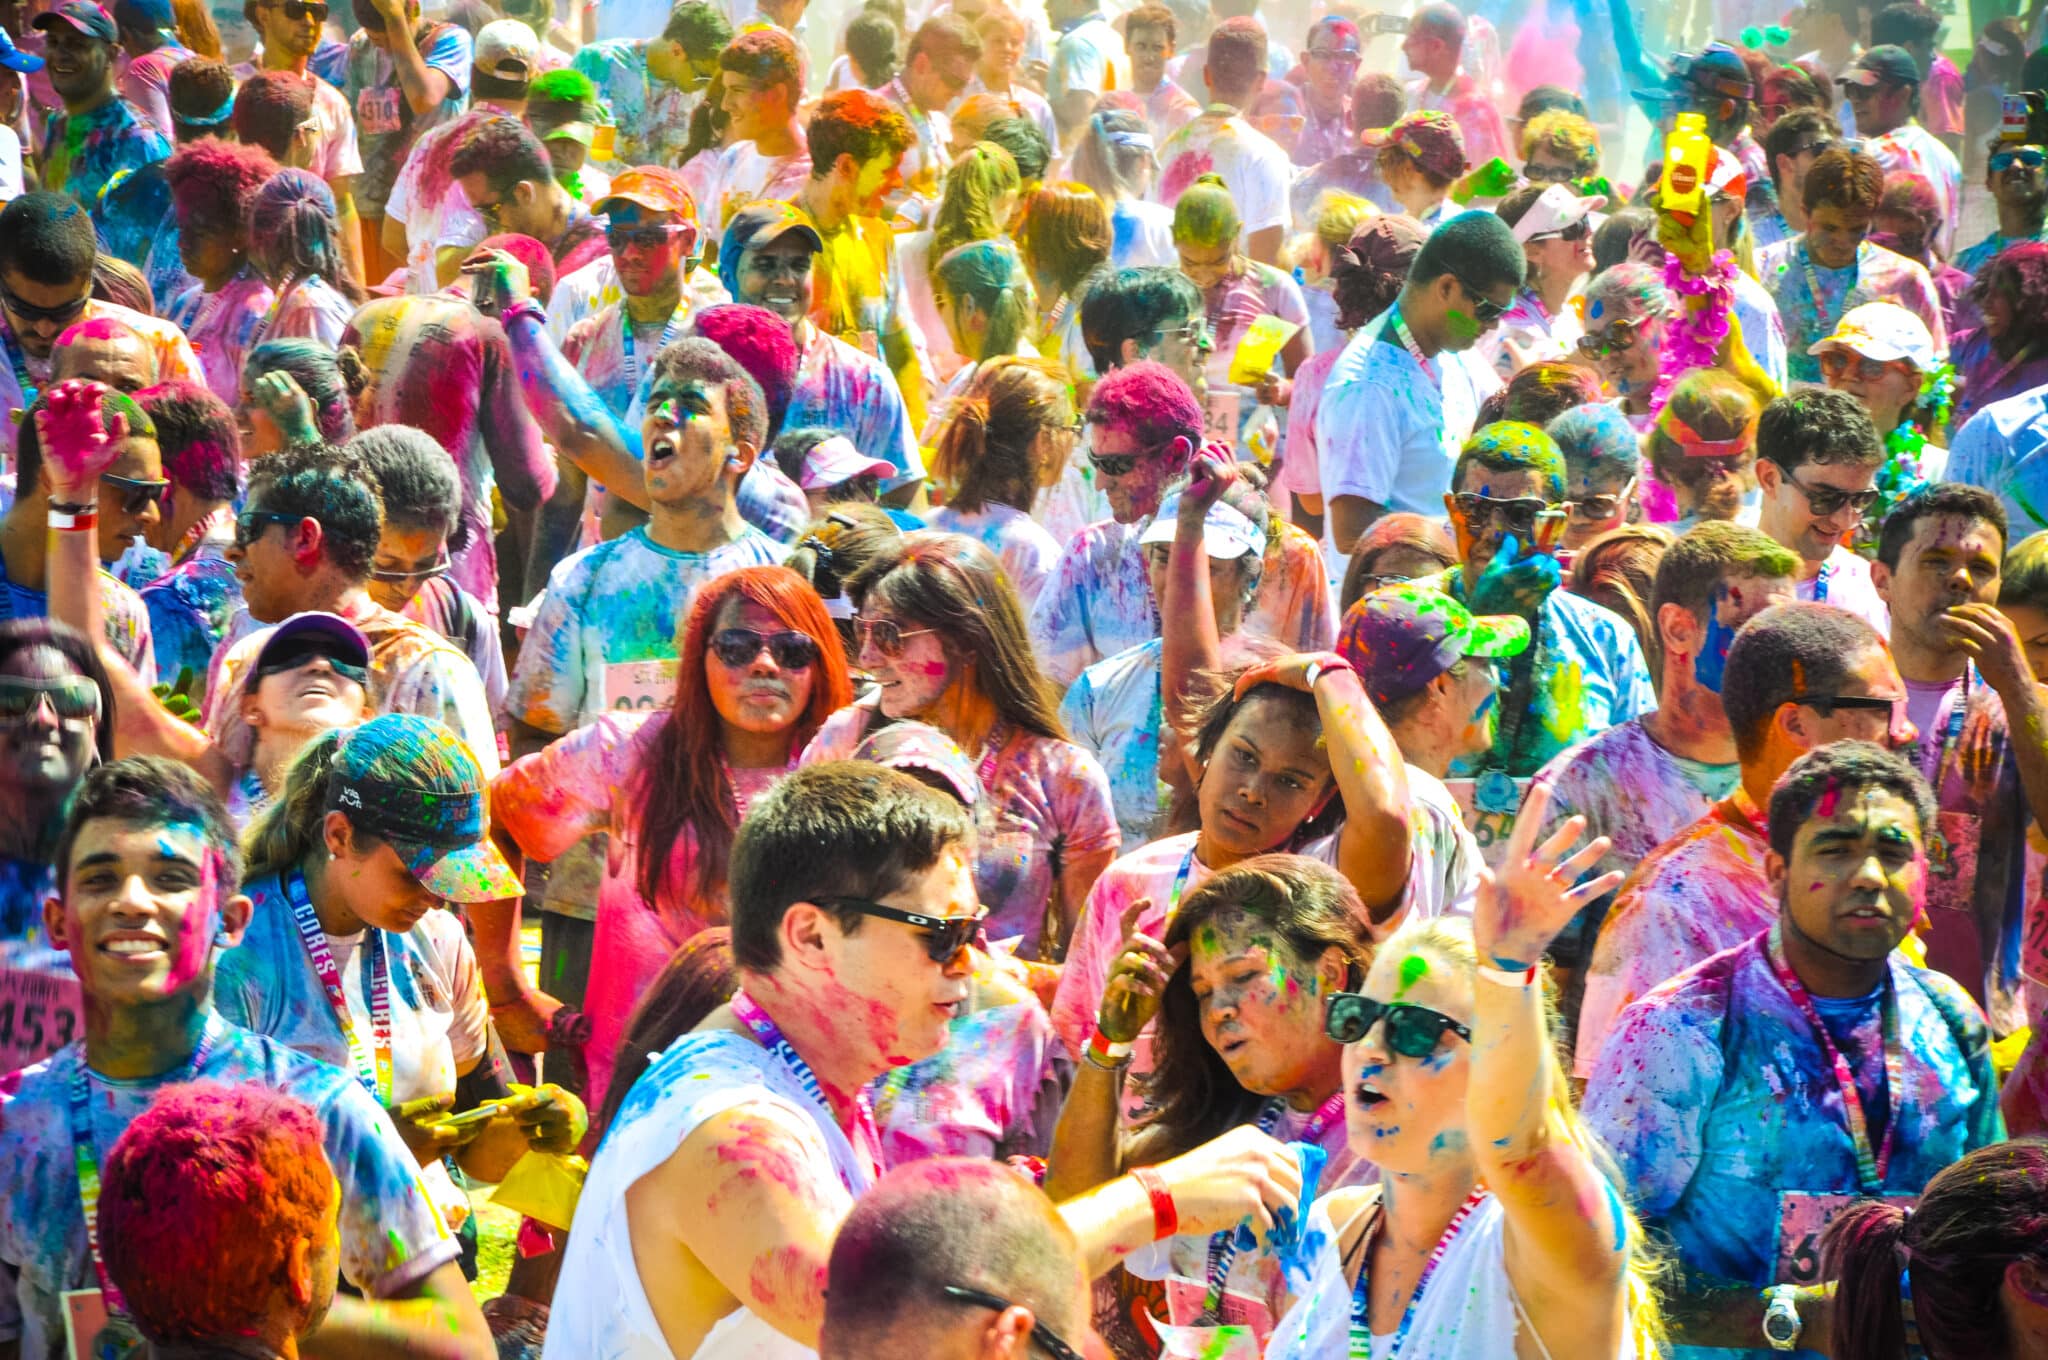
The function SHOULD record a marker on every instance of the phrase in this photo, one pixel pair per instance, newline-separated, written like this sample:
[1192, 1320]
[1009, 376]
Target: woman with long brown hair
[1007, 438]
[760, 667]
[1063, 236]
[942, 633]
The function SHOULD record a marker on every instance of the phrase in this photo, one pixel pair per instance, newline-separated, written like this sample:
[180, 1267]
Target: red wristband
[1165, 1218]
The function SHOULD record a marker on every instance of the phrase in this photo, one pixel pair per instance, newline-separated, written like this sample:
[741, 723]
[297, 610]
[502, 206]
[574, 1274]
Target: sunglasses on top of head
[1412, 1031]
[944, 936]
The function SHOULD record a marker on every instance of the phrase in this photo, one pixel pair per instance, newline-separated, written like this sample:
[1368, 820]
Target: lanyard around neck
[85, 1157]
[1871, 1166]
[1361, 1293]
[1223, 1246]
[372, 1067]
[866, 1138]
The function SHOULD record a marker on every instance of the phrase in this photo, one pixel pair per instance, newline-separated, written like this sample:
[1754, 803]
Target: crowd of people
[779, 678]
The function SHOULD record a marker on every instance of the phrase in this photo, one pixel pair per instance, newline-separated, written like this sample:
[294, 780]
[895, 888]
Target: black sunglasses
[1826, 500]
[646, 238]
[1826, 704]
[62, 315]
[1577, 231]
[1048, 1340]
[250, 524]
[301, 10]
[1618, 338]
[791, 651]
[137, 494]
[944, 936]
[1549, 174]
[1412, 1031]
[1518, 516]
[1484, 309]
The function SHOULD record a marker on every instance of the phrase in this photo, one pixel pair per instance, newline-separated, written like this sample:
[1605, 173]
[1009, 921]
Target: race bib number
[1184, 1301]
[377, 112]
[639, 685]
[1220, 418]
[39, 1014]
[1802, 1218]
[1490, 829]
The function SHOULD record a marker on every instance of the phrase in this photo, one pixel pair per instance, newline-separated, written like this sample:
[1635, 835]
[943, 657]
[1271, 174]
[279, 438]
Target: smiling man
[1724, 1094]
[146, 893]
[1819, 274]
[1817, 456]
[768, 258]
[99, 137]
[291, 31]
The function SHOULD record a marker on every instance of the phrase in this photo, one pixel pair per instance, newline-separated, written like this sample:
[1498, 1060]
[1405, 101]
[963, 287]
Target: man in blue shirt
[99, 138]
[1751, 1098]
[2001, 449]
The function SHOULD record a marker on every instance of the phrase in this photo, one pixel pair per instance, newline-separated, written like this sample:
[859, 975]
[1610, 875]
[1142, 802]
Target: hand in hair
[79, 437]
[1137, 979]
[501, 282]
[1290, 671]
[1521, 907]
[278, 395]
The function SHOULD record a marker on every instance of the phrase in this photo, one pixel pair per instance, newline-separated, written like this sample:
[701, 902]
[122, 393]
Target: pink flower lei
[1694, 337]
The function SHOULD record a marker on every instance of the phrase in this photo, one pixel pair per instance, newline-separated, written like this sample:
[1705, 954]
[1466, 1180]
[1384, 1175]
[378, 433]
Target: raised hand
[1137, 979]
[1521, 907]
[1514, 582]
[79, 438]
[1212, 473]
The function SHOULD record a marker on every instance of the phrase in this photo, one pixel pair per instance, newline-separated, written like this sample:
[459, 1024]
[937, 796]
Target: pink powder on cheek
[196, 931]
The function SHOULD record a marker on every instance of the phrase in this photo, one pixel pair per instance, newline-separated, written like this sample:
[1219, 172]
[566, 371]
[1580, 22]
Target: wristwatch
[1781, 1317]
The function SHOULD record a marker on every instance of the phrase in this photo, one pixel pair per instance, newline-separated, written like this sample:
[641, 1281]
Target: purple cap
[919, 749]
[1401, 637]
[329, 635]
[84, 16]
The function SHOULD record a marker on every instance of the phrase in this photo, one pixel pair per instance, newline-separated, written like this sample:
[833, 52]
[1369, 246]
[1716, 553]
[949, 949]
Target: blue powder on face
[1710, 667]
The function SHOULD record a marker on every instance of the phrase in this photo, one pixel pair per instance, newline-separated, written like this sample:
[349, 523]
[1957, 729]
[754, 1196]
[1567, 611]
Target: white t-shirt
[1390, 432]
[1252, 164]
[1025, 549]
[1844, 581]
[601, 1307]
[10, 164]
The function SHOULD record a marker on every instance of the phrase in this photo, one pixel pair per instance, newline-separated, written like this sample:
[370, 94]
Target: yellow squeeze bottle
[1688, 155]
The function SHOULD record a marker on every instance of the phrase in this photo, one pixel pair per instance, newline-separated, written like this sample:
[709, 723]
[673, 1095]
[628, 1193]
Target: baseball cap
[654, 187]
[1432, 140]
[82, 15]
[412, 782]
[14, 59]
[506, 49]
[1883, 331]
[1725, 176]
[312, 634]
[919, 748]
[1558, 207]
[1402, 636]
[1716, 69]
[1227, 532]
[1885, 64]
[836, 460]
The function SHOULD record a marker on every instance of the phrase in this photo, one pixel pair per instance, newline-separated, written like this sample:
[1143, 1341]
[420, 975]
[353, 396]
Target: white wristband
[1525, 977]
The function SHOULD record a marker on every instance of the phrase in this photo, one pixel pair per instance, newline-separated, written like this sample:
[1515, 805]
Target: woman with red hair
[760, 669]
